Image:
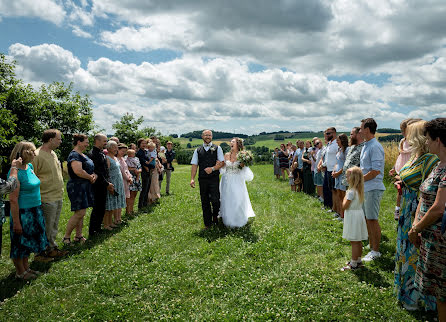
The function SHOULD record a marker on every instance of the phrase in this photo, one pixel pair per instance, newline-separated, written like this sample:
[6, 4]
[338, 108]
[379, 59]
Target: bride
[235, 206]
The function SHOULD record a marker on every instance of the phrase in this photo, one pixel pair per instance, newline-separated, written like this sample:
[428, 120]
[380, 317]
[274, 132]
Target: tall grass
[391, 150]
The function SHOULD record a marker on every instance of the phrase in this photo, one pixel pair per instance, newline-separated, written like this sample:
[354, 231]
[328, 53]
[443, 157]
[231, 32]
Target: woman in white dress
[235, 206]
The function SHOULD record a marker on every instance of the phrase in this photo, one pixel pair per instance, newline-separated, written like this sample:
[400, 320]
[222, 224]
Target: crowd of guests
[347, 177]
[108, 179]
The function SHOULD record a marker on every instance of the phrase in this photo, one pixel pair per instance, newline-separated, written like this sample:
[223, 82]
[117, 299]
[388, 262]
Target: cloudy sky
[243, 66]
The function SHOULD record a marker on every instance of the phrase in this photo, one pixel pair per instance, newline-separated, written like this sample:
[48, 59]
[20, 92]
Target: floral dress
[431, 270]
[412, 174]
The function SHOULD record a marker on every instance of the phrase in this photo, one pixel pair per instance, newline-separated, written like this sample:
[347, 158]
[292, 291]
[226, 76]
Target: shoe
[349, 267]
[336, 215]
[396, 214]
[409, 307]
[66, 241]
[371, 256]
[43, 259]
[57, 252]
[367, 247]
[37, 273]
[329, 210]
[80, 239]
[26, 276]
[340, 219]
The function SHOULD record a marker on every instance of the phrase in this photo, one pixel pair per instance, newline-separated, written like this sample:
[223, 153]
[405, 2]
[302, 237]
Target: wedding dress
[235, 208]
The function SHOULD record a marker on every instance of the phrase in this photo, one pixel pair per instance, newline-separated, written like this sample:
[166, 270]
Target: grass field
[283, 265]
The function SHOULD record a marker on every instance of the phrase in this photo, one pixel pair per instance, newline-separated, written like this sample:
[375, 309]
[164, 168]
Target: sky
[236, 66]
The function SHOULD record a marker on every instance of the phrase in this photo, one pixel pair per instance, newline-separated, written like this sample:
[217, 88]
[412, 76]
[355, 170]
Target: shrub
[184, 156]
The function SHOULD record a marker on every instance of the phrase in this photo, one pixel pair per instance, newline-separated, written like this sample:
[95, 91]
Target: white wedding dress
[235, 208]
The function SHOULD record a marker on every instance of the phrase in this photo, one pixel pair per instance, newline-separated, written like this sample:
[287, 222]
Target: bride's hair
[239, 143]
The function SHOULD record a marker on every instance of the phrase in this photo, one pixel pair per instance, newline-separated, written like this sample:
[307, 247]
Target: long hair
[344, 142]
[355, 180]
[403, 126]
[239, 142]
[416, 138]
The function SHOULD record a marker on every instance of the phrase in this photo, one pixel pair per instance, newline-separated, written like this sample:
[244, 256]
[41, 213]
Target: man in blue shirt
[372, 166]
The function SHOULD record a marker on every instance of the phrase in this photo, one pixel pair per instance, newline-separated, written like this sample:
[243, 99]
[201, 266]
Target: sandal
[66, 241]
[37, 273]
[349, 267]
[80, 239]
[25, 276]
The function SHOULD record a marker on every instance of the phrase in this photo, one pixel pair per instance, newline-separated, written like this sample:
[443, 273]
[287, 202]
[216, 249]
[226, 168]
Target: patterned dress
[134, 163]
[116, 201]
[431, 270]
[406, 258]
[80, 190]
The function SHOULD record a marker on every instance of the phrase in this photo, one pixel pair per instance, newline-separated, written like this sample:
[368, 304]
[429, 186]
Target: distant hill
[387, 130]
[215, 135]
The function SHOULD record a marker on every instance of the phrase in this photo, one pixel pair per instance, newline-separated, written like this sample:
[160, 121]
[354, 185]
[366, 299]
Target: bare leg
[441, 307]
[19, 267]
[74, 221]
[320, 191]
[341, 195]
[356, 249]
[374, 231]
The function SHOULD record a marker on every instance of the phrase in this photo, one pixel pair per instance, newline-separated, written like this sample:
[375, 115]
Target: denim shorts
[372, 201]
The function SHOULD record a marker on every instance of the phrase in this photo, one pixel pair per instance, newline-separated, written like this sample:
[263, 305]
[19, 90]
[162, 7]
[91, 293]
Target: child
[154, 191]
[293, 176]
[355, 228]
[135, 170]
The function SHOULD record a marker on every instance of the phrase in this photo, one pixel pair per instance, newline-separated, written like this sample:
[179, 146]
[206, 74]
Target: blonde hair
[403, 126]
[131, 152]
[355, 180]
[26, 151]
[416, 138]
[151, 145]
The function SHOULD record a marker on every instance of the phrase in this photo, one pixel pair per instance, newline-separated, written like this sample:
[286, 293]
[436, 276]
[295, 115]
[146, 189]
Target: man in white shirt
[330, 162]
[208, 159]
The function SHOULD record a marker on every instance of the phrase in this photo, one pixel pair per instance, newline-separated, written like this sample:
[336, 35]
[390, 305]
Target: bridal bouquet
[245, 157]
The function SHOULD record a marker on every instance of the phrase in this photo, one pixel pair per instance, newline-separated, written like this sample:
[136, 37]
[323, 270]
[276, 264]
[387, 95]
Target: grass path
[283, 265]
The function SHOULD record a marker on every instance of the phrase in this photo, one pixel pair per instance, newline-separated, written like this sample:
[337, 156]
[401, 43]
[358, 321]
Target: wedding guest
[135, 170]
[276, 163]
[102, 186]
[372, 166]
[353, 156]
[293, 177]
[426, 232]
[318, 174]
[412, 174]
[330, 161]
[79, 187]
[48, 169]
[144, 160]
[300, 163]
[355, 228]
[339, 188]
[403, 157]
[154, 191]
[127, 178]
[114, 138]
[163, 161]
[115, 201]
[313, 154]
[132, 146]
[170, 156]
[283, 160]
[307, 176]
[27, 224]
[7, 186]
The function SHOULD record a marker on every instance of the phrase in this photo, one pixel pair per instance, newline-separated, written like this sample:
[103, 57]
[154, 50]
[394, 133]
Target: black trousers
[210, 199]
[97, 214]
[143, 195]
[327, 189]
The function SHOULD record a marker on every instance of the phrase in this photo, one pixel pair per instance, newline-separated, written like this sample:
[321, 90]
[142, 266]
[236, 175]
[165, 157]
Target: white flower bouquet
[245, 158]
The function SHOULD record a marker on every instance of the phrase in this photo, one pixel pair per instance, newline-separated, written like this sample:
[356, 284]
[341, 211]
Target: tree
[175, 136]
[225, 147]
[127, 129]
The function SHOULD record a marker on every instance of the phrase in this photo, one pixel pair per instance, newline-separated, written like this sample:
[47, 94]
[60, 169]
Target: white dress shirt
[220, 155]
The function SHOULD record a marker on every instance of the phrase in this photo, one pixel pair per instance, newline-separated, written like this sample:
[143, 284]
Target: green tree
[128, 130]
[225, 147]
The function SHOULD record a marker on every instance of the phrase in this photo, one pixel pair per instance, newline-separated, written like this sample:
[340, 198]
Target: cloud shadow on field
[220, 231]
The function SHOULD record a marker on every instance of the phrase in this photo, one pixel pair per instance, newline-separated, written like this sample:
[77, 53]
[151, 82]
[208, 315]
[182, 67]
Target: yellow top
[47, 168]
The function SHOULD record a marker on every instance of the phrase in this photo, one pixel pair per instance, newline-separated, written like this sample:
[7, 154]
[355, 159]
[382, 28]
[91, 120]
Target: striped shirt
[414, 171]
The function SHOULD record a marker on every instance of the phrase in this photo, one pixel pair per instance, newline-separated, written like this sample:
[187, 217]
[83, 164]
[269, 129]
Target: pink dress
[125, 175]
[403, 157]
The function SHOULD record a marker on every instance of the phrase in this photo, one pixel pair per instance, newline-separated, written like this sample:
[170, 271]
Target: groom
[209, 159]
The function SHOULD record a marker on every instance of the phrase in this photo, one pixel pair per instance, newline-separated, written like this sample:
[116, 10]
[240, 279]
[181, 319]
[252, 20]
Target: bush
[279, 137]
[184, 156]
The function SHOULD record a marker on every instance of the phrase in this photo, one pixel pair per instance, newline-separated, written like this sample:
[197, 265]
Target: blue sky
[282, 65]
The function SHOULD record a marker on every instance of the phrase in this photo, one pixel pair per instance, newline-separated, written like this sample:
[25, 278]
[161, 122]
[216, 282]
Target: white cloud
[81, 33]
[49, 10]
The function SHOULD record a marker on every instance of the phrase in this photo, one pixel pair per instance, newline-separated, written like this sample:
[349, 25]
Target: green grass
[272, 144]
[161, 265]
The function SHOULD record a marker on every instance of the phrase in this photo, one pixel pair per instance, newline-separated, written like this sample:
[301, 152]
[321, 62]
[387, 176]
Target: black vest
[207, 159]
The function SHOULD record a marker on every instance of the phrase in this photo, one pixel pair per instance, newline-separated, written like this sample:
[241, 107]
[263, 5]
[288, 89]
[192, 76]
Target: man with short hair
[170, 156]
[102, 185]
[48, 169]
[330, 162]
[354, 153]
[372, 166]
[208, 159]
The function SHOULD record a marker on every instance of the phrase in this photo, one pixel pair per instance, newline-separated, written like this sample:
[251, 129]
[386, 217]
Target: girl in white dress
[235, 208]
[355, 228]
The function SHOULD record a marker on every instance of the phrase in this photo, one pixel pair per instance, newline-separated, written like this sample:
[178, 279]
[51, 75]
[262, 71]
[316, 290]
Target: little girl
[355, 228]
[135, 170]
[293, 176]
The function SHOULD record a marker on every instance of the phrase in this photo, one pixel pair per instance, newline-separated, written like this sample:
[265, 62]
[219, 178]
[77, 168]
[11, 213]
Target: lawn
[285, 264]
